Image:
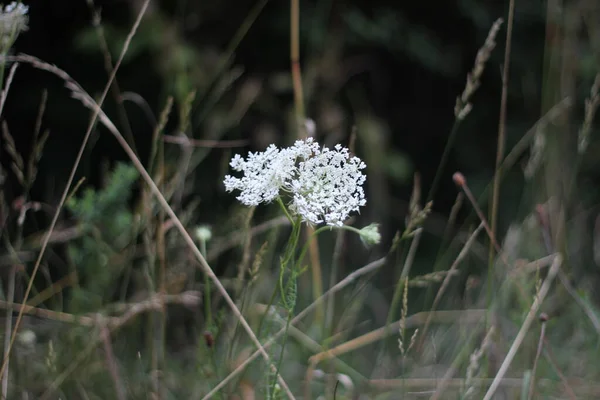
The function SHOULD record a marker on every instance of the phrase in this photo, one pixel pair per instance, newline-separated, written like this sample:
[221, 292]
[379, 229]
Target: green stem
[285, 210]
[281, 352]
[2, 66]
[289, 253]
[207, 307]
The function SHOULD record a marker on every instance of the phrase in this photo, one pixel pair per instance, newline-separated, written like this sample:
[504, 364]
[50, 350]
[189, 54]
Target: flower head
[323, 185]
[266, 173]
[203, 233]
[370, 235]
[13, 20]
[328, 186]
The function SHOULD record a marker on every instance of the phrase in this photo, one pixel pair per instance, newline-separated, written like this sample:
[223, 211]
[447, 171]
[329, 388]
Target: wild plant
[311, 184]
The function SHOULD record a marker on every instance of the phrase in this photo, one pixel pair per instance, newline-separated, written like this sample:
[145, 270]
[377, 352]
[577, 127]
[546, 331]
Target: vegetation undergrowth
[135, 290]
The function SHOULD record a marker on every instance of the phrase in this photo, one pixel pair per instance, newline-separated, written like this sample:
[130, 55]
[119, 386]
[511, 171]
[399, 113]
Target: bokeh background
[382, 75]
[397, 69]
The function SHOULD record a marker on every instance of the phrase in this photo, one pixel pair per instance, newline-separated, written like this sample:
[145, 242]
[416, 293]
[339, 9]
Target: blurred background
[380, 76]
[392, 71]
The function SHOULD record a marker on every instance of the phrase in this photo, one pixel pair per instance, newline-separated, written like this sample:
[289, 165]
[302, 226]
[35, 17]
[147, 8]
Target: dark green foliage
[106, 220]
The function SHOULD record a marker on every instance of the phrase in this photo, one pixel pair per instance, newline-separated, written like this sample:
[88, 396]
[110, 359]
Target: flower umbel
[328, 186]
[13, 20]
[203, 233]
[323, 185]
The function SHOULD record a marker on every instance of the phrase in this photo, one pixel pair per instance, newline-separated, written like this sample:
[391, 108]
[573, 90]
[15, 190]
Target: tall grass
[147, 316]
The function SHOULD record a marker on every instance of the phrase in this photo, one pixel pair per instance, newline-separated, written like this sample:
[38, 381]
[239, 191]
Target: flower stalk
[312, 184]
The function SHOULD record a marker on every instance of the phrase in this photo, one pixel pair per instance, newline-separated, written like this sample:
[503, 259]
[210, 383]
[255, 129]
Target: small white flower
[27, 337]
[264, 175]
[370, 235]
[203, 233]
[324, 185]
[19, 8]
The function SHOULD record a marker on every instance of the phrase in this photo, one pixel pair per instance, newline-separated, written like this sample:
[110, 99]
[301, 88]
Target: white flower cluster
[19, 8]
[13, 20]
[324, 185]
